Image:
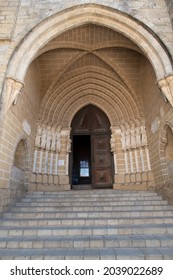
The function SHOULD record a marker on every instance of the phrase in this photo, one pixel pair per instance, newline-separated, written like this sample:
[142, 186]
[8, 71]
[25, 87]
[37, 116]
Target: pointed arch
[79, 15]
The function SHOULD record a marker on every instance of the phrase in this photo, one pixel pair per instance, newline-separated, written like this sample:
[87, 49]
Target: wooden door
[101, 162]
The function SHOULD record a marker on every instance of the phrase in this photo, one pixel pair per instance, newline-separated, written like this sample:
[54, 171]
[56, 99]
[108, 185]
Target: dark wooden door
[101, 162]
[91, 123]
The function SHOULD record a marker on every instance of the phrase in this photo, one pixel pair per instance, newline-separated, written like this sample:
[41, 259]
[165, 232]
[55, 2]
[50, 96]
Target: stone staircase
[89, 224]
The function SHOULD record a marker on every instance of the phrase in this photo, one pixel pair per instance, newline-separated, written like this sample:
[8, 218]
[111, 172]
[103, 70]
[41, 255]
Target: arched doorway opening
[19, 170]
[91, 159]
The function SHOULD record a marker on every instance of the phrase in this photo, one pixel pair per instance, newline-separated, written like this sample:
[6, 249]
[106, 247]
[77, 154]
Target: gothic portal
[86, 96]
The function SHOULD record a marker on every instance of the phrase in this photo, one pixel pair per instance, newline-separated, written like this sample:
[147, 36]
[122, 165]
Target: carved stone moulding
[166, 87]
[133, 135]
[12, 91]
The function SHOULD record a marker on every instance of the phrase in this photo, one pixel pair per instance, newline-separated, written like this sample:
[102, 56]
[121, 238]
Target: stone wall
[159, 119]
[19, 124]
[170, 9]
[17, 18]
[152, 13]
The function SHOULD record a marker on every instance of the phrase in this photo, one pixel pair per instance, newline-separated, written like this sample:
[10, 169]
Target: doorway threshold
[82, 187]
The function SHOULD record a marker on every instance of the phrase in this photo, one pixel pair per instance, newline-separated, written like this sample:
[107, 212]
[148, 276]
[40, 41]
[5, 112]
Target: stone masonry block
[56, 180]
[63, 180]
[45, 179]
[132, 178]
[33, 177]
[138, 177]
[50, 179]
[39, 178]
[144, 177]
[127, 178]
[119, 179]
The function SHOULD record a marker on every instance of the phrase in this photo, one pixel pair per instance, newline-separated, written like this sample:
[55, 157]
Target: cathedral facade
[86, 96]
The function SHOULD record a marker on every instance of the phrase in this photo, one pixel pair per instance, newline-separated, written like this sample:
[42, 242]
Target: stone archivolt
[89, 85]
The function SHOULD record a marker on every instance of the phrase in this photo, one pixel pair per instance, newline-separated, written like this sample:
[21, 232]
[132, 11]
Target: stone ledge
[130, 187]
[50, 188]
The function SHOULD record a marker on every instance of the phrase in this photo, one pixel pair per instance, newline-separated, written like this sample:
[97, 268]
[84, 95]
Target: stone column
[136, 161]
[41, 161]
[37, 147]
[35, 161]
[57, 134]
[64, 158]
[148, 159]
[113, 149]
[117, 142]
[126, 162]
[132, 145]
[46, 163]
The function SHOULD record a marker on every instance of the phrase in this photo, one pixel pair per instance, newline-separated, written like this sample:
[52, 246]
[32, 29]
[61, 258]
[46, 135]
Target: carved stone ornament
[68, 146]
[53, 140]
[166, 86]
[113, 143]
[48, 138]
[127, 137]
[138, 136]
[115, 134]
[123, 138]
[65, 141]
[144, 141]
[12, 91]
[38, 137]
[155, 125]
[58, 141]
[133, 135]
[43, 137]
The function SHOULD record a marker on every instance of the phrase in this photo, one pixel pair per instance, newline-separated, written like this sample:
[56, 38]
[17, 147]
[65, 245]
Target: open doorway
[91, 159]
[81, 173]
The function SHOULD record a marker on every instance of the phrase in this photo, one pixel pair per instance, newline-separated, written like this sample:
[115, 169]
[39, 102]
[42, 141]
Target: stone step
[90, 224]
[86, 221]
[92, 209]
[87, 214]
[93, 203]
[152, 253]
[93, 193]
[86, 230]
[71, 208]
[93, 199]
[76, 242]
